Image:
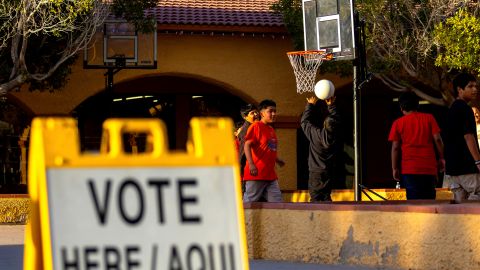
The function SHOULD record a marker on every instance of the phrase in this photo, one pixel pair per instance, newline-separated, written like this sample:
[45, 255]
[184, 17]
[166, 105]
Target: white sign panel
[153, 218]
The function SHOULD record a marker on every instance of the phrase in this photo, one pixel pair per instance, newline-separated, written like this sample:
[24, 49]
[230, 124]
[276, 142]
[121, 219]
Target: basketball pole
[357, 142]
[359, 78]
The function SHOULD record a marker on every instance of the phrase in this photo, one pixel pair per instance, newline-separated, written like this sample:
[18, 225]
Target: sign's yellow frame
[54, 143]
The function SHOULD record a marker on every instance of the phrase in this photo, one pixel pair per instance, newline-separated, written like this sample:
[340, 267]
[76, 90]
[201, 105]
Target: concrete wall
[383, 235]
[387, 236]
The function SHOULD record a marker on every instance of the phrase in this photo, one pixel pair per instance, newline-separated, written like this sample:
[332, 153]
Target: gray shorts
[255, 190]
[463, 187]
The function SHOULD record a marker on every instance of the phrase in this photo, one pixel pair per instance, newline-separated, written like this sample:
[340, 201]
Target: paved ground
[11, 246]
[11, 255]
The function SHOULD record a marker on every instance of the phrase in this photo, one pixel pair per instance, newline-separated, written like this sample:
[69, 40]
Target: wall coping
[418, 206]
[11, 196]
[351, 190]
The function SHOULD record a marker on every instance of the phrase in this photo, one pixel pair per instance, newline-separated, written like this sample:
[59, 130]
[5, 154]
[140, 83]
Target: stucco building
[213, 57]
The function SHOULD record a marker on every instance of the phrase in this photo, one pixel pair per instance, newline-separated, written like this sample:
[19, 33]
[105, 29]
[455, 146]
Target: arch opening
[14, 136]
[173, 99]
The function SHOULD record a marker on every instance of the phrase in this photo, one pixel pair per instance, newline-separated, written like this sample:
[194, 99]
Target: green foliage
[133, 11]
[341, 68]
[64, 14]
[41, 59]
[291, 11]
[459, 38]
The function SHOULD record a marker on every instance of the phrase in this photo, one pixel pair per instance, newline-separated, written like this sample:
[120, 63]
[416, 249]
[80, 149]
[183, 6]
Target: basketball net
[305, 65]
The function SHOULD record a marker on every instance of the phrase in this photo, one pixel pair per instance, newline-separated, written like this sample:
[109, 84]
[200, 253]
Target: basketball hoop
[305, 65]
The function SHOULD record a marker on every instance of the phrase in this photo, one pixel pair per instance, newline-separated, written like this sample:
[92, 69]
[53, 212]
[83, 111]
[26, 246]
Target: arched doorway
[14, 135]
[173, 99]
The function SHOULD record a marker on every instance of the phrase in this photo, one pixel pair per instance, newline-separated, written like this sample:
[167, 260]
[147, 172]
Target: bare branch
[75, 21]
[11, 84]
[402, 88]
[433, 100]
[402, 45]
[391, 83]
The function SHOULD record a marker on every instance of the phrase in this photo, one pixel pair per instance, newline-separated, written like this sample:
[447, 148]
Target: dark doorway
[14, 130]
[174, 108]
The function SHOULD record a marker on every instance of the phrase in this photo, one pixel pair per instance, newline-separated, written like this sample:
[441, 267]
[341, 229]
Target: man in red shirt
[261, 154]
[416, 134]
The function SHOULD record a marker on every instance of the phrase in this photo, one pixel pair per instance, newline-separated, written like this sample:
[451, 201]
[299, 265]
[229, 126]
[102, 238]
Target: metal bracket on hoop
[305, 65]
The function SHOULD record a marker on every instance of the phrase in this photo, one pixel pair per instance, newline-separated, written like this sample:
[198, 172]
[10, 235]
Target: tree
[403, 45]
[459, 39]
[291, 11]
[39, 39]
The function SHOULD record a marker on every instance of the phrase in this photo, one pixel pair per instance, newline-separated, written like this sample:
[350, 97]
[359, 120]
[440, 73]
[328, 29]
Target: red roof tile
[216, 12]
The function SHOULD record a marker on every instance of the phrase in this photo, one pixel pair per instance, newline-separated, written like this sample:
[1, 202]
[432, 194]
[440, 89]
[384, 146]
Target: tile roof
[217, 12]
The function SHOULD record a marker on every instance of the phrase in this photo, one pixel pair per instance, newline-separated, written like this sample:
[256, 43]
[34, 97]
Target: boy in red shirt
[415, 135]
[261, 154]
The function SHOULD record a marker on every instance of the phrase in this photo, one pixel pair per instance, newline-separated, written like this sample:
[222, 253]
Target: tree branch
[15, 82]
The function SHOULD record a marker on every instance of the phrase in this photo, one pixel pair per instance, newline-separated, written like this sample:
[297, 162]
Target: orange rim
[327, 56]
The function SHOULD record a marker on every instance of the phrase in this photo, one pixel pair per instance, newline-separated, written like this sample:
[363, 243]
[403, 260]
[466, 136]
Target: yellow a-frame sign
[153, 210]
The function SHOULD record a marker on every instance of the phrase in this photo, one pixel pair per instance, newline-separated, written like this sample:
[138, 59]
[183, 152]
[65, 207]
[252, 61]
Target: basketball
[324, 89]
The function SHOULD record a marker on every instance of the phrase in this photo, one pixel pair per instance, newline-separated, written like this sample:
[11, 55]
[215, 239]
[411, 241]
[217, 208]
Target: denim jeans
[259, 190]
[419, 186]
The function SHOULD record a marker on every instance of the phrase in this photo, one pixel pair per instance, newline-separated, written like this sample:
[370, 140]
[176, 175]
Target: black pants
[419, 186]
[319, 186]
